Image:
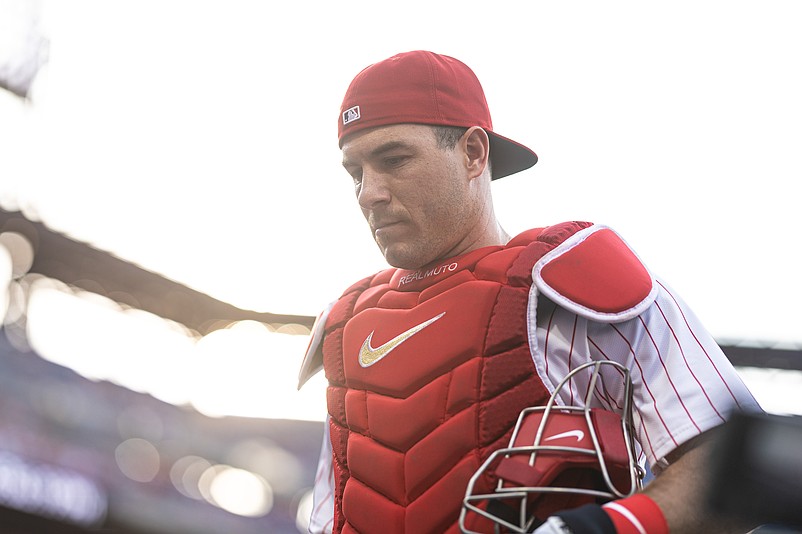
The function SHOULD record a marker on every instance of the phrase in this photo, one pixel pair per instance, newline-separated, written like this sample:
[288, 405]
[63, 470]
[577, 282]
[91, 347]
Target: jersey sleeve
[313, 358]
[683, 384]
[322, 518]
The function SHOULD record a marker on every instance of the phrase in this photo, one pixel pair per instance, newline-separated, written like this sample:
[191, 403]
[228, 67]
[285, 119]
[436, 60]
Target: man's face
[414, 194]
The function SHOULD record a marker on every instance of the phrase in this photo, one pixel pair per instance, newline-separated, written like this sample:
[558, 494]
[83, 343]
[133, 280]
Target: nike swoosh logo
[578, 434]
[369, 355]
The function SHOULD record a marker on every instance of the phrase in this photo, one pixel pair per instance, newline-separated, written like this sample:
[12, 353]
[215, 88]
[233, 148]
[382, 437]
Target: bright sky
[198, 138]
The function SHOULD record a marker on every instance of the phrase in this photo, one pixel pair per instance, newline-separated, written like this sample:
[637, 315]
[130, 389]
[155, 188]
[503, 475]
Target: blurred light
[304, 512]
[205, 481]
[138, 459]
[50, 491]
[239, 491]
[247, 369]
[20, 250]
[294, 329]
[101, 340]
[185, 474]
[282, 469]
[16, 321]
[16, 302]
[5, 282]
[125, 298]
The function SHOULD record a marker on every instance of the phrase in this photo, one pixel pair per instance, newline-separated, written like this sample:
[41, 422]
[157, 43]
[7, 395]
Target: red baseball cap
[422, 87]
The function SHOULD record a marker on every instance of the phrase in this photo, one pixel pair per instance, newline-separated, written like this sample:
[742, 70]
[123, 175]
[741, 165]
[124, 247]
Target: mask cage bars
[524, 522]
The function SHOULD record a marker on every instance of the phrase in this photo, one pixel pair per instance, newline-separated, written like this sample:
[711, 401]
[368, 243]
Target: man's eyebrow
[379, 150]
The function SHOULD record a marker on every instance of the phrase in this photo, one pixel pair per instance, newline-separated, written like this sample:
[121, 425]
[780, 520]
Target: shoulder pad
[595, 274]
[313, 359]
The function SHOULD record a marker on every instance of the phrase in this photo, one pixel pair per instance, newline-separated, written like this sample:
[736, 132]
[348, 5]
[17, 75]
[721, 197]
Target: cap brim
[508, 157]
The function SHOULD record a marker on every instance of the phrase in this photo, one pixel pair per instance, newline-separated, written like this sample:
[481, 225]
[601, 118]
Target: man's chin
[402, 258]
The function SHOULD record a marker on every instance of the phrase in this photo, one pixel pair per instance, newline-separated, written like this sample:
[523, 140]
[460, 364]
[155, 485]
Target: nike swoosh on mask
[578, 434]
[369, 355]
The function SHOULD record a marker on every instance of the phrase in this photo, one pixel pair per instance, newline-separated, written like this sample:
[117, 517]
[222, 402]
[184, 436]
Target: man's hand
[680, 491]
[553, 525]
[587, 519]
[674, 502]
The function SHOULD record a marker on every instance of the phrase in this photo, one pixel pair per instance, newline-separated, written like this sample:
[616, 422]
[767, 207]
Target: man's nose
[373, 190]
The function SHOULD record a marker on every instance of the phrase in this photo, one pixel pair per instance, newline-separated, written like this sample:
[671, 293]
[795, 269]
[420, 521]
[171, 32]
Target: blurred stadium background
[80, 452]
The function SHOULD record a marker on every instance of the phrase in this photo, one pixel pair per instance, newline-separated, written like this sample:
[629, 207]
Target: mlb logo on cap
[350, 115]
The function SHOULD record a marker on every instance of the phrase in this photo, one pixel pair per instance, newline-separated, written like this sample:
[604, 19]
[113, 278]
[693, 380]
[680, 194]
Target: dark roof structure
[80, 265]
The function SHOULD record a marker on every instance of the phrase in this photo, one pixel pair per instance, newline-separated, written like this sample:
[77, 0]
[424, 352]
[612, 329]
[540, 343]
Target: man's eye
[394, 161]
[356, 174]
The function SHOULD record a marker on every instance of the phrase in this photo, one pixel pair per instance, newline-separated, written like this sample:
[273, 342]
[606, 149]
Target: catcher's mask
[559, 457]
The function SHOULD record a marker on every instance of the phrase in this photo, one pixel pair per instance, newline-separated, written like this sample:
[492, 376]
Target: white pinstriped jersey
[683, 383]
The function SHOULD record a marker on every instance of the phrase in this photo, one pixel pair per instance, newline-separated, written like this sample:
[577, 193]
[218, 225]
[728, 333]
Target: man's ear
[476, 144]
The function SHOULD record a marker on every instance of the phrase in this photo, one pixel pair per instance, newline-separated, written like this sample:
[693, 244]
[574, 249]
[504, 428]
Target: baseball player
[430, 362]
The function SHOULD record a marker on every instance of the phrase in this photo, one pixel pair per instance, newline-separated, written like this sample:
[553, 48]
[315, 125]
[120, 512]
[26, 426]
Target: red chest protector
[428, 371]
